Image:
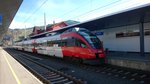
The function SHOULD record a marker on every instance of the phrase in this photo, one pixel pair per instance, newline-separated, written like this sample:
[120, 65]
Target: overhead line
[35, 11]
[97, 9]
[70, 11]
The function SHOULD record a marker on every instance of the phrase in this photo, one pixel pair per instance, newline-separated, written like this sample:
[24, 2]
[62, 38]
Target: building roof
[61, 24]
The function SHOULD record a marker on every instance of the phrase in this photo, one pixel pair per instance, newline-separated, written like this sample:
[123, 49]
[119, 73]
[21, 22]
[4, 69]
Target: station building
[125, 38]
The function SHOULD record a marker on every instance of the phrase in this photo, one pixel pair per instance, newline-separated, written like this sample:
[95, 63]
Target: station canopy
[122, 18]
[8, 9]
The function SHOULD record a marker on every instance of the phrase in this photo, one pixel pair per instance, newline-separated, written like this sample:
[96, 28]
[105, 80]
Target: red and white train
[73, 43]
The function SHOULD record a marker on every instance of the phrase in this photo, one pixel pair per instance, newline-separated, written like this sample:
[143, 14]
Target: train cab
[81, 43]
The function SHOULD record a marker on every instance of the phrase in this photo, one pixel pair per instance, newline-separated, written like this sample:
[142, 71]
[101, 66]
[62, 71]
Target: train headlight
[77, 28]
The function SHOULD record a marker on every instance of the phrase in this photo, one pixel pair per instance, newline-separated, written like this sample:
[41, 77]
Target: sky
[31, 12]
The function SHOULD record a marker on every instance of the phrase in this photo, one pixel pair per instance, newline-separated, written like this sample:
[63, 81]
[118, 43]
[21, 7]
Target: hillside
[13, 35]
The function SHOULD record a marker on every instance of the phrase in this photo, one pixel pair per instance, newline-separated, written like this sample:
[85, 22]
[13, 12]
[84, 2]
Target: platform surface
[129, 60]
[128, 56]
[12, 72]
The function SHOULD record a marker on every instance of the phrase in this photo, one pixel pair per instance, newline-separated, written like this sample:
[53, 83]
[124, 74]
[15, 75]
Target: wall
[127, 44]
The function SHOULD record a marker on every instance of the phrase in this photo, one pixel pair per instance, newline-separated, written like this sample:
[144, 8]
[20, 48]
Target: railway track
[45, 73]
[142, 77]
[136, 76]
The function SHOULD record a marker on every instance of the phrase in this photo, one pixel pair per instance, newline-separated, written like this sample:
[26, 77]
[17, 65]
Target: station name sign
[99, 33]
[0, 19]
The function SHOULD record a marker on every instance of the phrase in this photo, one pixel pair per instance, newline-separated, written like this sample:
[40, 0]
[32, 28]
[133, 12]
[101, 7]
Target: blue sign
[0, 19]
[99, 33]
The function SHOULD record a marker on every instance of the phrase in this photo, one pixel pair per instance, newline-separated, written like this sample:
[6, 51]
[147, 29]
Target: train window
[80, 43]
[55, 42]
[35, 45]
[83, 45]
[67, 31]
[39, 45]
[91, 39]
[44, 44]
[70, 41]
[64, 42]
[50, 43]
[59, 44]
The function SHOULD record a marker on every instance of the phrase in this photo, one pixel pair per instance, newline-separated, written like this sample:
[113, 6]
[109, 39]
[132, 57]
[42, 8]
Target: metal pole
[44, 21]
[141, 38]
[12, 33]
[25, 32]
[141, 28]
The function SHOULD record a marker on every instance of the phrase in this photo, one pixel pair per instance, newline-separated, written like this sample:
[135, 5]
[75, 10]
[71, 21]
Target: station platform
[129, 60]
[12, 72]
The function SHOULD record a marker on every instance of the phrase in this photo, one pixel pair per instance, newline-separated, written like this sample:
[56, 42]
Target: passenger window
[80, 43]
[59, 43]
[67, 31]
[50, 43]
[64, 42]
[83, 45]
[71, 41]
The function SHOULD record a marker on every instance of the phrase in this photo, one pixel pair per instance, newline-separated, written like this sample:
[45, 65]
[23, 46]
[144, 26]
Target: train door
[50, 48]
[44, 46]
[57, 49]
[71, 46]
[82, 50]
[68, 46]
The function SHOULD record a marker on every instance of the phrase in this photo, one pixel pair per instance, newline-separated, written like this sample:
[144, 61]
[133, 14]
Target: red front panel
[68, 51]
[78, 52]
[84, 53]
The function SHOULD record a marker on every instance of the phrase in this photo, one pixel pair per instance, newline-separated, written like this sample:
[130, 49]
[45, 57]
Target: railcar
[72, 43]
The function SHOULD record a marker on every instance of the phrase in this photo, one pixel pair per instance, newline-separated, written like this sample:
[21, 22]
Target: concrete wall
[134, 64]
[129, 44]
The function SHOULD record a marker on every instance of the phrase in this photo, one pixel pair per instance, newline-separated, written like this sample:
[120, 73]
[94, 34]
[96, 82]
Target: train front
[96, 51]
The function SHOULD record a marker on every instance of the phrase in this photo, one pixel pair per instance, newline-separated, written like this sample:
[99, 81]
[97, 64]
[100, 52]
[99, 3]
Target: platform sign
[0, 19]
[99, 33]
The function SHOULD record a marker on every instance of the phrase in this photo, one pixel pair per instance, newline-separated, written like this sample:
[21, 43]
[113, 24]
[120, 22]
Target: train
[73, 43]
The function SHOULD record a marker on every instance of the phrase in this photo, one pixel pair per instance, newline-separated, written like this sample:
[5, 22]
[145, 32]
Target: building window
[131, 34]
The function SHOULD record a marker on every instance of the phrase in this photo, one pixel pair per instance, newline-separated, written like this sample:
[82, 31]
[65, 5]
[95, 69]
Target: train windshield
[91, 38]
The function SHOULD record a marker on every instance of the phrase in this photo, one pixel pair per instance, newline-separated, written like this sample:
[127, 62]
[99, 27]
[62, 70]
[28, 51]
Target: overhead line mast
[44, 21]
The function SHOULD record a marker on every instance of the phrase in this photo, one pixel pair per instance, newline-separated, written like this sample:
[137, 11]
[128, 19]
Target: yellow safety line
[13, 72]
